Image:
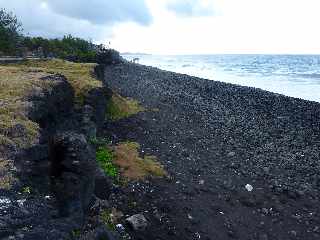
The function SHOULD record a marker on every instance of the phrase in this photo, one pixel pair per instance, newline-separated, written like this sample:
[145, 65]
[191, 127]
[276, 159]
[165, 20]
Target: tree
[10, 30]
[10, 21]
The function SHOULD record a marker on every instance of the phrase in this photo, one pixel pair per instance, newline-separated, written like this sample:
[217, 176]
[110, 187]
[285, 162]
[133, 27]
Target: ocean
[292, 75]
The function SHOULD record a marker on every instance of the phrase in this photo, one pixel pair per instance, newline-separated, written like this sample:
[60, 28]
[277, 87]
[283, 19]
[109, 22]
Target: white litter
[249, 187]
[21, 202]
[201, 182]
[120, 227]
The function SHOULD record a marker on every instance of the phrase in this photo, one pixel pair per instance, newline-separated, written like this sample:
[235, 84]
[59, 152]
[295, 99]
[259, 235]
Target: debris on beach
[249, 187]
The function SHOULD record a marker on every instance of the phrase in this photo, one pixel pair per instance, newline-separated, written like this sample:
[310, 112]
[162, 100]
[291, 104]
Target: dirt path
[217, 141]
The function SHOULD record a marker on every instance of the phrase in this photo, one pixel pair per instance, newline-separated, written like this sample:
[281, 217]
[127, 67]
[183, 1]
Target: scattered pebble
[231, 154]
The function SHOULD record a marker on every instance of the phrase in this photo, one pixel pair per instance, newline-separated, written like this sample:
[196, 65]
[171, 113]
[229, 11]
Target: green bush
[68, 48]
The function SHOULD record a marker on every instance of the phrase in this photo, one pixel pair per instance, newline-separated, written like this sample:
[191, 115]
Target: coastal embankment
[242, 163]
[50, 111]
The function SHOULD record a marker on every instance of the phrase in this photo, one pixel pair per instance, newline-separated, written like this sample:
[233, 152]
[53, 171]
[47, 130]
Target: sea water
[292, 75]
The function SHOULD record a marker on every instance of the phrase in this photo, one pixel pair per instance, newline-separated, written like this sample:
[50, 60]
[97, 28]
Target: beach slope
[243, 163]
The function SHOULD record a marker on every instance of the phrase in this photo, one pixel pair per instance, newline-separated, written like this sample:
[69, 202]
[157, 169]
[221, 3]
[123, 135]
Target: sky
[179, 26]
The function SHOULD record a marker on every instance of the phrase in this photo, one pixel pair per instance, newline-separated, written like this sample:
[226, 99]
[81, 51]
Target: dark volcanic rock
[73, 166]
[50, 107]
[138, 222]
[103, 185]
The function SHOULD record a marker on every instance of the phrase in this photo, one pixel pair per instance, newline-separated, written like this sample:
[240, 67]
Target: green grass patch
[106, 217]
[26, 190]
[105, 157]
[110, 217]
[120, 107]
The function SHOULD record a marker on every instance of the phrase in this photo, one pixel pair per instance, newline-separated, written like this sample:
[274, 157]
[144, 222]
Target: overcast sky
[179, 26]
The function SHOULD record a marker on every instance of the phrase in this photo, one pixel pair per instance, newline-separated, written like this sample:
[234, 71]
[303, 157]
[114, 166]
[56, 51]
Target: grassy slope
[15, 85]
[17, 82]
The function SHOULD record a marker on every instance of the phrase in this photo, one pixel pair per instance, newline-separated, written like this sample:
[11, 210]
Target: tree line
[14, 43]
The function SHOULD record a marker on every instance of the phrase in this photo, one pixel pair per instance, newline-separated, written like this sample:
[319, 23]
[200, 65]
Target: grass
[79, 75]
[15, 86]
[106, 217]
[110, 217]
[123, 162]
[120, 107]
[134, 167]
[26, 190]
[105, 157]
[20, 80]
[16, 129]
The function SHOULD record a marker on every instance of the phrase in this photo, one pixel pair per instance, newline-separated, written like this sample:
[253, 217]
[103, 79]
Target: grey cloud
[103, 11]
[55, 18]
[191, 8]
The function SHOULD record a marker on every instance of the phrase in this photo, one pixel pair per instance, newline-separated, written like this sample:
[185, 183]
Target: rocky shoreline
[243, 163]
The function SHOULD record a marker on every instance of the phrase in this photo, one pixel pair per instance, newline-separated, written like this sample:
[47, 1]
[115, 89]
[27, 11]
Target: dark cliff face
[55, 176]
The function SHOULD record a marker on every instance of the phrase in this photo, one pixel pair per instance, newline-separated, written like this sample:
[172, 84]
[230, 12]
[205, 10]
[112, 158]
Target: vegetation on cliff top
[15, 86]
[16, 129]
[18, 81]
[79, 75]
[14, 43]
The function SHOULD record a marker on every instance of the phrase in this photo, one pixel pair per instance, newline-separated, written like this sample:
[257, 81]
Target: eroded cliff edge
[48, 168]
